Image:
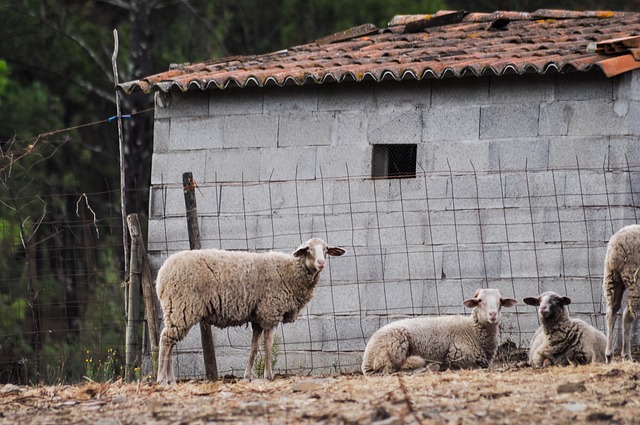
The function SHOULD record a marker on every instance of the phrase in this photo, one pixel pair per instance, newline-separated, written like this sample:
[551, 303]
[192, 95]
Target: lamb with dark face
[561, 340]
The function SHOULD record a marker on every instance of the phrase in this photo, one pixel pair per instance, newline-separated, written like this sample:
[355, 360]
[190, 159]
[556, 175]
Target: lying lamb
[561, 340]
[621, 265]
[232, 288]
[445, 342]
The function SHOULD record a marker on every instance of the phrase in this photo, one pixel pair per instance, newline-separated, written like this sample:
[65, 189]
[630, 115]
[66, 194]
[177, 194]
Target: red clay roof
[429, 46]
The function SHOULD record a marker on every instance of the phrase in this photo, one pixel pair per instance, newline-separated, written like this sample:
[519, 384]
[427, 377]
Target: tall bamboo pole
[129, 309]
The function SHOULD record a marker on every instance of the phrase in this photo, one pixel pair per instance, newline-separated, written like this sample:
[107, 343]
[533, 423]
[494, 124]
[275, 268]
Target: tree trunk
[137, 131]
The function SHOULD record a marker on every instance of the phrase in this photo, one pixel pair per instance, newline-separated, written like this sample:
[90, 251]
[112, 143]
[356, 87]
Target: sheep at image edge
[561, 340]
[456, 342]
[621, 268]
[232, 288]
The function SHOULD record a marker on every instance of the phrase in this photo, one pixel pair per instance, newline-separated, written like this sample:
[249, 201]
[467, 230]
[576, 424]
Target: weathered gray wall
[525, 179]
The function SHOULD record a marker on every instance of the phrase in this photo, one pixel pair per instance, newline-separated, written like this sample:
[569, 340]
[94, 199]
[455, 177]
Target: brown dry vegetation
[507, 395]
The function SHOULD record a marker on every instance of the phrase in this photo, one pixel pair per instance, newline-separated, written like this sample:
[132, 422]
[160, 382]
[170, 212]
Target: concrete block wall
[520, 182]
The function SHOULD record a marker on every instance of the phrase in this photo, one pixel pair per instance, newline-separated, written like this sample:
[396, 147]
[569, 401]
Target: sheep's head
[487, 304]
[314, 253]
[551, 305]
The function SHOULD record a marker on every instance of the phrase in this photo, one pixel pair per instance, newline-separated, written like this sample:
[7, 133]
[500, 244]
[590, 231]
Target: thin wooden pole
[208, 348]
[132, 350]
[123, 198]
[129, 291]
[148, 289]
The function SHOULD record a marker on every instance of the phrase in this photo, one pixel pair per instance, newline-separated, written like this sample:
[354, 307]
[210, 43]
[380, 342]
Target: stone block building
[444, 153]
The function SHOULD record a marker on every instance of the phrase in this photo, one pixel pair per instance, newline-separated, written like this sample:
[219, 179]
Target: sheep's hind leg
[628, 317]
[268, 345]
[398, 351]
[414, 362]
[165, 363]
[255, 344]
[170, 374]
[613, 289]
[162, 373]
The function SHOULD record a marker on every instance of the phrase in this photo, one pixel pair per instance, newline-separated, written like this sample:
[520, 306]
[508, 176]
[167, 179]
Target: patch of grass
[106, 371]
[258, 366]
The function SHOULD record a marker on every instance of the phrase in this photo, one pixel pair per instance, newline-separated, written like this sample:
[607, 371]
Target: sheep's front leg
[255, 344]
[539, 359]
[611, 323]
[162, 361]
[170, 374]
[268, 345]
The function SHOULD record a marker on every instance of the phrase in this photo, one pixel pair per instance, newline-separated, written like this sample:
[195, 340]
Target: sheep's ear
[508, 302]
[565, 300]
[471, 303]
[301, 251]
[335, 251]
[532, 301]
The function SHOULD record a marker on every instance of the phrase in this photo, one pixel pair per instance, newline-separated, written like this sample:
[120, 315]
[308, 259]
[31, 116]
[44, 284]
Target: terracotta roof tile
[445, 44]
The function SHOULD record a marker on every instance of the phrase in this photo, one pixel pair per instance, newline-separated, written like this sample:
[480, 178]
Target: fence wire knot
[191, 185]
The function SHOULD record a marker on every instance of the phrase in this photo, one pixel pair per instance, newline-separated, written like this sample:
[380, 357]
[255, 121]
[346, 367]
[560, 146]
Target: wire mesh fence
[61, 299]
[417, 245]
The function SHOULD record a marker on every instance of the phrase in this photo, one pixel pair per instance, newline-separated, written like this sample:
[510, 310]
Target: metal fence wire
[61, 303]
[418, 243]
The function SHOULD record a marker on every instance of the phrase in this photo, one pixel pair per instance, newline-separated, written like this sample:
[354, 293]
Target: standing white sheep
[232, 288]
[621, 267]
[561, 340]
[456, 342]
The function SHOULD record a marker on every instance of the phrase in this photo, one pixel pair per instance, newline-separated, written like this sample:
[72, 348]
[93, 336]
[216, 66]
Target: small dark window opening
[394, 161]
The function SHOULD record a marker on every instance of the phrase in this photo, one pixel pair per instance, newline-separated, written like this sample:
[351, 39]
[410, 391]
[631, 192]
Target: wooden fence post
[148, 289]
[132, 346]
[208, 349]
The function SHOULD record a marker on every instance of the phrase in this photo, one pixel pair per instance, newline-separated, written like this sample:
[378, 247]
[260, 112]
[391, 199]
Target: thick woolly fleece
[456, 342]
[561, 340]
[228, 288]
[232, 288]
[621, 269]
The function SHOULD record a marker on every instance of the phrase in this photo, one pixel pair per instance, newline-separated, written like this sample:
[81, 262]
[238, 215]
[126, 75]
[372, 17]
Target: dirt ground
[501, 395]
